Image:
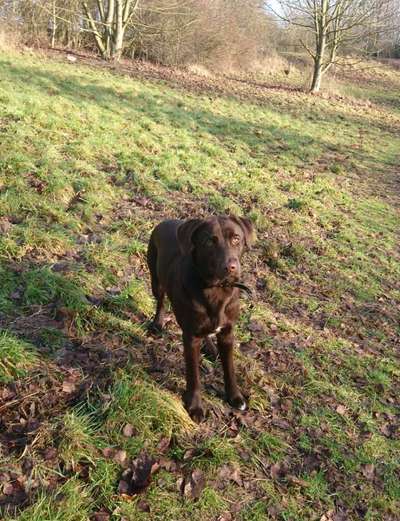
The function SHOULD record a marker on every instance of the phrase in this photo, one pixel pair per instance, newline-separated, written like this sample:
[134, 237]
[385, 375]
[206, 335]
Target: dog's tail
[152, 264]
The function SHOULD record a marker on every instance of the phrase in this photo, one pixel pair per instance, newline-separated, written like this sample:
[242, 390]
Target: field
[91, 420]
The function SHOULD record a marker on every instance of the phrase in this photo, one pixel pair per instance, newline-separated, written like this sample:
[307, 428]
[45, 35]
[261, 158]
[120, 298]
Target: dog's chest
[215, 324]
[214, 316]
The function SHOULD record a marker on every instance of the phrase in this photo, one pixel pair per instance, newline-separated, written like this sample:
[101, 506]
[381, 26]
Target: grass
[90, 161]
[16, 357]
[71, 503]
[153, 412]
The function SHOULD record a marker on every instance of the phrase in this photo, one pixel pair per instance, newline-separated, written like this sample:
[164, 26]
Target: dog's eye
[210, 241]
[235, 240]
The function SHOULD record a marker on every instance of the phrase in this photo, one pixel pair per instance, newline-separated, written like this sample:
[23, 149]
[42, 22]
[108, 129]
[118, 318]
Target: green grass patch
[153, 412]
[17, 357]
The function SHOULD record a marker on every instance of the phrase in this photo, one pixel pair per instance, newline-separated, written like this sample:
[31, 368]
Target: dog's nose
[231, 267]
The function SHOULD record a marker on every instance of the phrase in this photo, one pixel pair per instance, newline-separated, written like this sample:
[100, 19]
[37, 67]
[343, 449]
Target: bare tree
[108, 21]
[160, 29]
[332, 25]
[54, 22]
[385, 42]
[220, 34]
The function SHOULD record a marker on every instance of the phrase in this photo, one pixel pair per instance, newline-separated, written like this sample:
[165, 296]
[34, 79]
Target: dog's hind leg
[158, 322]
[157, 290]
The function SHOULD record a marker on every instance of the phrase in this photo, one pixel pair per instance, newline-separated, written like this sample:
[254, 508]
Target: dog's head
[216, 245]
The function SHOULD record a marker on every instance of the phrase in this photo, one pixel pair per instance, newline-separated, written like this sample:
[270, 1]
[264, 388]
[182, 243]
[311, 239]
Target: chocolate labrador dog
[197, 264]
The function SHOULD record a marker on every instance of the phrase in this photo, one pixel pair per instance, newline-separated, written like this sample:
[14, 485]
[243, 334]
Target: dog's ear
[247, 228]
[185, 233]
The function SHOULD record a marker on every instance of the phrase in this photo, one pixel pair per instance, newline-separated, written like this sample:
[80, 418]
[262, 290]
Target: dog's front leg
[225, 341]
[192, 397]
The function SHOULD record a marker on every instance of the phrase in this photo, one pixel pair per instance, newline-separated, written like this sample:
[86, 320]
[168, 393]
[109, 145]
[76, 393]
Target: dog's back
[162, 252]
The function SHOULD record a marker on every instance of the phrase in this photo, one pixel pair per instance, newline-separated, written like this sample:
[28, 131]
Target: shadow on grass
[82, 91]
[274, 144]
[78, 348]
[71, 329]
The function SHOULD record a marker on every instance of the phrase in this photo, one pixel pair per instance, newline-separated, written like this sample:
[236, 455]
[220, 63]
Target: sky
[274, 4]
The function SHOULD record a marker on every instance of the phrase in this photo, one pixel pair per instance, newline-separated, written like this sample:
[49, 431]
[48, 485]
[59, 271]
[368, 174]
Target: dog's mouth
[225, 281]
[217, 280]
[228, 282]
[231, 282]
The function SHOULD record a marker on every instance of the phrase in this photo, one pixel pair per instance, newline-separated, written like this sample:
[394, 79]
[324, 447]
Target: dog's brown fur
[196, 263]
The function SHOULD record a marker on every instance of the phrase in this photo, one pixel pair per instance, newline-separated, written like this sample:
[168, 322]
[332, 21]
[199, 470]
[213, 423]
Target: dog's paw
[237, 402]
[155, 328]
[194, 407]
[197, 413]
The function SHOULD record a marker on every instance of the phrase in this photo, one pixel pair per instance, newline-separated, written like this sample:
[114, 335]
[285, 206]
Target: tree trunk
[108, 25]
[321, 35]
[317, 77]
[118, 33]
[54, 26]
[109, 20]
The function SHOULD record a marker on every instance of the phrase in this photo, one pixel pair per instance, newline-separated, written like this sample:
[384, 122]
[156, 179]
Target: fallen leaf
[164, 444]
[341, 409]
[50, 453]
[137, 476]
[274, 511]
[108, 452]
[168, 464]
[278, 470]
[68, 387]
[244, 454]
[192, 486]
[14, 494]
[101, 516]
[5, 225]
[255, 326]
[297, 481]
[280, 423]
[120, 457]
[7, 394]
[189, 454]
[156, 465]
[386, 430]
[8, 489]
[368, 471]
[230, 473]
[143, 506]
[226, 516]
[340, 515]
[128, 431]
[311, 462]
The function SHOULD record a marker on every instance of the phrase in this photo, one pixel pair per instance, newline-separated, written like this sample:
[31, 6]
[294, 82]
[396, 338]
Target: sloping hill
[90, 404]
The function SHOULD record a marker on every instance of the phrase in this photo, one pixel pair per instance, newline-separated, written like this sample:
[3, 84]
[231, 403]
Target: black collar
[203, 285]
[239, 285]
[244, 288]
